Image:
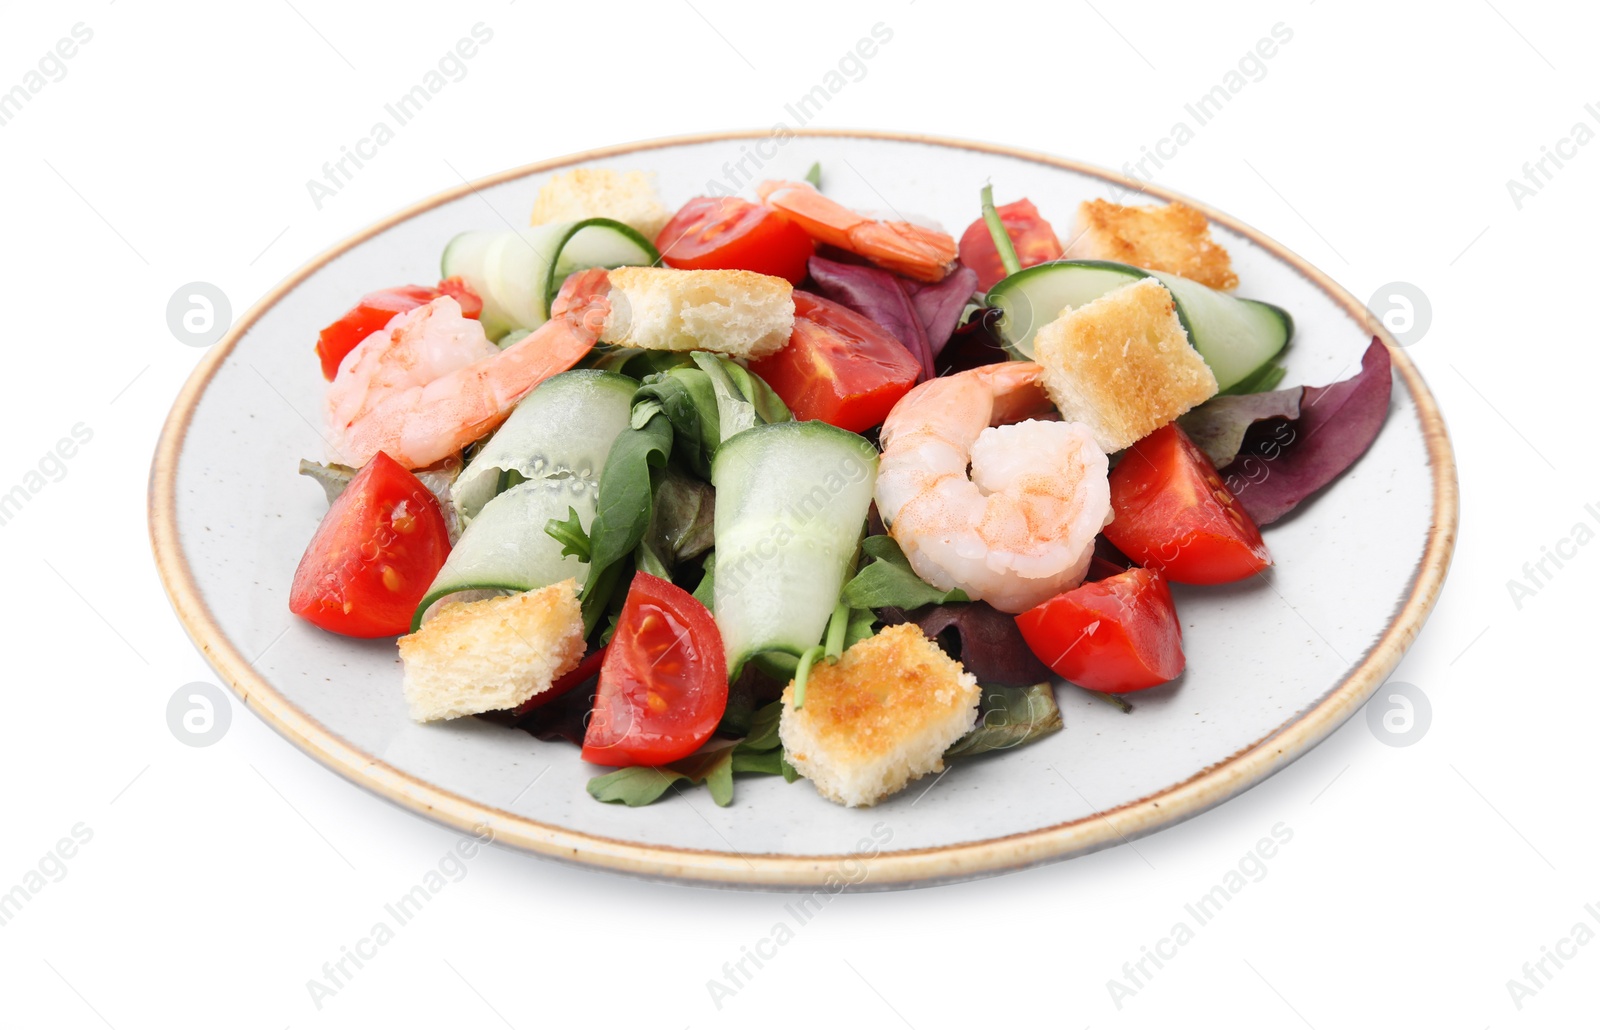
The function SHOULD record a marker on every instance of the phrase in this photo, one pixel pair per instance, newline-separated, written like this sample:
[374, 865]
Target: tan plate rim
[886, 869]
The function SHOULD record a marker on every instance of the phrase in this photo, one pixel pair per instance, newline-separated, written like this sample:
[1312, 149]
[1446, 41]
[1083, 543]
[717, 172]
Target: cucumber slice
[463, 258]
[1236, 336]
[506, 548]
[519, 272]
[792, 500]
[563, 429]
[545, 460]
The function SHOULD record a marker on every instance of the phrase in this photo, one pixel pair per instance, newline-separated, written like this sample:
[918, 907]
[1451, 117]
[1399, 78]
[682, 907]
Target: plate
[1275, 665]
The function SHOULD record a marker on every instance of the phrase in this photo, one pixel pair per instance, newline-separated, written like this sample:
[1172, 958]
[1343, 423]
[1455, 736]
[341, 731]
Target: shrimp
[911, 250]
[431, 382]
[1021, 527]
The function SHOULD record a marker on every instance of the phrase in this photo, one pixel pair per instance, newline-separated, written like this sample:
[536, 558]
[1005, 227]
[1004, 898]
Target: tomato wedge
[664, 682]
[726, 232]
[376, 309]
[839, 367]
[1116, 634]
[374, 556]
[1035, 241]
[1171, 512]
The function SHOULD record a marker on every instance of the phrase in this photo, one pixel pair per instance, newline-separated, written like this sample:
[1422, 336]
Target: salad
[770, 486]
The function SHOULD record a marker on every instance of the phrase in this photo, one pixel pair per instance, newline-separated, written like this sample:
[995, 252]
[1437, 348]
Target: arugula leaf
[744, 400]
[634, 786]
[568, 532]
[760, 752]
[681, 524]
[814, 174]
[627, 488]
[860, 626]
[768, 763]
[889, 581]
[714, 769]
[790, 773]
[1009, 717]
[763, 735]
[705, 592]
[684, 395]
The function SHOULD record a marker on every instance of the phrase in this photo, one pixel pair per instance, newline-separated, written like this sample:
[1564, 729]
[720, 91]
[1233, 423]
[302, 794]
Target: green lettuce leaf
[1009, 717]
[889, 581]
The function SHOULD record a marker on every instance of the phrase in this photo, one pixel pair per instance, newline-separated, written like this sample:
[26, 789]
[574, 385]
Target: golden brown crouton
[1122, 365]
[1174, 238]
[879, 717]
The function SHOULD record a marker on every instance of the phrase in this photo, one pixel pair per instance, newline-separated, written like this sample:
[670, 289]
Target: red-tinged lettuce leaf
[1218, 426]
[1283, 463]
[878, 295]
[984, 639]
[940, 304]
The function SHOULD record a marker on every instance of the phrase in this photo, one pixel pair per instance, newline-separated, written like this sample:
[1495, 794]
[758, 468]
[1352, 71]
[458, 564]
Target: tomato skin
[1171, 512]
[664, 681]
[1136, 642]
[839, 367]
[375, 310]
[726, 232]
[374, 555]
[1031, 235]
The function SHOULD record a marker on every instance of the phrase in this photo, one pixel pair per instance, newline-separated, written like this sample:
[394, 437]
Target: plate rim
[886, 869]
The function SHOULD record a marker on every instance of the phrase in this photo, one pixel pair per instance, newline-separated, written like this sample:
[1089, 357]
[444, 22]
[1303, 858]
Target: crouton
[879, 717]
[1122, 364]
[737, 313]
[628, 197]
[1175, 239]
[484, 656]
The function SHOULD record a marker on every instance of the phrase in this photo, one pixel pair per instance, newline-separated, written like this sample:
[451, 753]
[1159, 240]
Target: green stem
[838, 623]
[803, 672]
[997, 229]
[1110, 699]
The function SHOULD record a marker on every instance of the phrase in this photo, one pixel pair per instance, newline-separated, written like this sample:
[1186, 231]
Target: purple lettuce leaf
[1218, 426]
[940, 304]
[1283, 463]
[984, 639]
[971, 346]
[878, 295]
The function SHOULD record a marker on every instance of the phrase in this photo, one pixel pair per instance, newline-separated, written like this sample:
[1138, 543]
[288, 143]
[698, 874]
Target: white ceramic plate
[1273, 667]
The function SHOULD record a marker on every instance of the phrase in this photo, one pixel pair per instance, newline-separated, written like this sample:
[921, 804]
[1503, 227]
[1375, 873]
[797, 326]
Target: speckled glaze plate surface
[1274, 664]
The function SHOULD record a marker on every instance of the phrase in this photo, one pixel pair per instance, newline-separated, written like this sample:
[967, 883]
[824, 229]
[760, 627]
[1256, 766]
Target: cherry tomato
[1035, 241]
[839, 367]
[376, 309]
[1116, 634]
[726, 232]
[1171, 512]
[374, 556]
[664, 682]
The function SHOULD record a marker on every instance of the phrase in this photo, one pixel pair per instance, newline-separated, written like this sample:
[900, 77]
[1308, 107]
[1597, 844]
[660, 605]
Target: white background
[1419, 880]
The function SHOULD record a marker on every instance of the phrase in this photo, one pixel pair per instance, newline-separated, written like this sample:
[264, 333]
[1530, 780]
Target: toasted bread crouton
[627, 197]
[1174, 238]
[1122, 365]
[879, 717]
[737, 313]
[484, 656]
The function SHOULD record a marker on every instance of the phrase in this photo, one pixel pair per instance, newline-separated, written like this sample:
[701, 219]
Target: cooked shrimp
[912, 250]
[1020, 528]
[431, 382]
